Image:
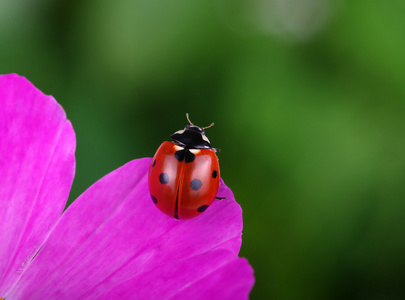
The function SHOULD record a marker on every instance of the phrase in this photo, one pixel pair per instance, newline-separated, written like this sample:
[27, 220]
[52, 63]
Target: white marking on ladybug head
[177, 147]
[195, 151]
[205, 138]
[179, 132]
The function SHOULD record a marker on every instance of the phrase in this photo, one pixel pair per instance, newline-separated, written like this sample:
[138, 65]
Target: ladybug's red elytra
[184, 174]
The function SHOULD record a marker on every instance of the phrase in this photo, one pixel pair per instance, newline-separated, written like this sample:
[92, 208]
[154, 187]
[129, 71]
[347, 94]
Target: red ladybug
[184, 175]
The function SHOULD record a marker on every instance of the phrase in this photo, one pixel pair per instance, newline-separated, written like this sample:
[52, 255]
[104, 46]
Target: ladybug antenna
[190, 123]
[188, 119]
[212, 124]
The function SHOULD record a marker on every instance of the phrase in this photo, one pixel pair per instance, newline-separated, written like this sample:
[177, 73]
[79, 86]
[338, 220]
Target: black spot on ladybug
[202, 208]
[214, 174]
[184, 154]
[189, 156]
[176, 216]
[153, 199]
[195, 184]
[164, 178]
[154, 162]
[179, 155]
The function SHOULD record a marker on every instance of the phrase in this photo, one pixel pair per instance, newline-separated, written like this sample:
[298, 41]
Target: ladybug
[184, 174]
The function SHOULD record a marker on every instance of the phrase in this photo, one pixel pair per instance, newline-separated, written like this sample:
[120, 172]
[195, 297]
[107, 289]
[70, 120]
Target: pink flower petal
[37, 162]
[112, 241]
[217, 274]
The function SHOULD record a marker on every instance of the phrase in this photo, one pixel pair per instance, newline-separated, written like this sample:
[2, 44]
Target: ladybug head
[192, 137]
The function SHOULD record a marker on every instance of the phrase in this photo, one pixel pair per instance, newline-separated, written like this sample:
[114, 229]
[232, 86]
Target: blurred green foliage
[309, 104]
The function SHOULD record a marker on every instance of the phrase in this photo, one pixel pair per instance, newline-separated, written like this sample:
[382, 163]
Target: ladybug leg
[220, 198]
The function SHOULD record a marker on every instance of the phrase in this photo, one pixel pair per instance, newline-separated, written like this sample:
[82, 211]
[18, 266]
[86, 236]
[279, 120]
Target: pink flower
[112, 242]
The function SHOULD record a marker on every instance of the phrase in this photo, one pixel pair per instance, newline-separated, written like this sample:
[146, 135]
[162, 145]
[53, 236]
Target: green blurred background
[308, 98]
